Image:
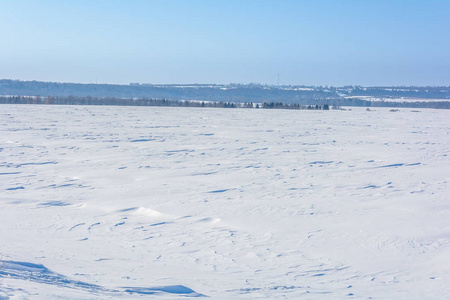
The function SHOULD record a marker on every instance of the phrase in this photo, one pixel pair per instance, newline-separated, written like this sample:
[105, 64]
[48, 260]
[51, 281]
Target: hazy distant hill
[256, 93]
[235, 93]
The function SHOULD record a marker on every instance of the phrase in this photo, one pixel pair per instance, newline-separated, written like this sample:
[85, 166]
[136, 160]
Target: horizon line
[225, 84]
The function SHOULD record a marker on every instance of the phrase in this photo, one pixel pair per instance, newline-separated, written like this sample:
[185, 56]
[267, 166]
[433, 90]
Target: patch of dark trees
[280, 105]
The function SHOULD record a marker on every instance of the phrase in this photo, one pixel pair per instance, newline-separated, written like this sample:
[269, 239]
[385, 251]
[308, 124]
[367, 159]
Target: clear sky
[319, 42]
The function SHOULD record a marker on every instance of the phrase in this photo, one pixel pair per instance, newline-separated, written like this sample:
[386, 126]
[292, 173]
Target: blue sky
[306, 42]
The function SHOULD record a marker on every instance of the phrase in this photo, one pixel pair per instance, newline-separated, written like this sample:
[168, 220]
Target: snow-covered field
[131, 202]
[398, 99]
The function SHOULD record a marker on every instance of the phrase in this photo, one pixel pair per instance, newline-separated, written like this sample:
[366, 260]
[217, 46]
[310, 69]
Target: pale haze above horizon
[369, 43]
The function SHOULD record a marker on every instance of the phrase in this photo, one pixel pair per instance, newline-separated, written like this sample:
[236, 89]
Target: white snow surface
[130, 202]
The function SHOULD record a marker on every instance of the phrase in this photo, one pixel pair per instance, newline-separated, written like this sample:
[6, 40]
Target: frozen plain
[132, 202]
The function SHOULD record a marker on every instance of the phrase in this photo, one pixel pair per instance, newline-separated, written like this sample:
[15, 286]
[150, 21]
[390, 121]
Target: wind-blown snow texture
[125, 202]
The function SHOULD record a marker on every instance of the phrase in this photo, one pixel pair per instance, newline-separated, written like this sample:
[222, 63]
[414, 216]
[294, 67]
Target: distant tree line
[72, 100]
[319, 103]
